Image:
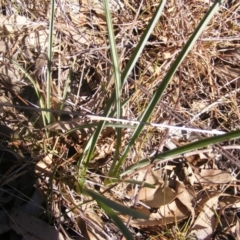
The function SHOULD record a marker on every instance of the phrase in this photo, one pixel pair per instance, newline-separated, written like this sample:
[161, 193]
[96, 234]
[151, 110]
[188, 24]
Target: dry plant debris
[194, 196]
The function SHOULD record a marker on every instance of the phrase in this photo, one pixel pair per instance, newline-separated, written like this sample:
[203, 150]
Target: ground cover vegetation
[119, 119]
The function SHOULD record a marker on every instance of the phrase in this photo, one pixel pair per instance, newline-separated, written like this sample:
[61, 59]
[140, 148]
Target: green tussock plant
[134, 84]
[115, 100]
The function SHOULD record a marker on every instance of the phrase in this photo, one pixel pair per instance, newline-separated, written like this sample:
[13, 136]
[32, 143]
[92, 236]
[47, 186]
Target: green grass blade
[41, 100]
[114, 57]
[134, 58]
[88, 151]
[142, 42]
[117, 75]
[118, 222]
[161, 88]
[116, 206]
[89, 148]
[183, 149]
[49, 64]
[139, 183]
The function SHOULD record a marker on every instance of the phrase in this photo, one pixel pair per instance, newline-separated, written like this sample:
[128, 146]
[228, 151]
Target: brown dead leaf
[237, 230]
[45, 162]
[173, 205]
[83, 227]
[166, 214]
[157, 197]
[153, 197]
[3, 47]
[214, 176]
[186, 197]
[13, 22]
[32, 228]
[88, 234]
[206, 221]
[229, 201]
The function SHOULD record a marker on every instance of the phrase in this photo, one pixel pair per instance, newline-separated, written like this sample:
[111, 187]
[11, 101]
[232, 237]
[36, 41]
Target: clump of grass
[162, 75]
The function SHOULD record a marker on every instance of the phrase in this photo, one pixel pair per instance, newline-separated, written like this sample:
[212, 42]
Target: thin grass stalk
[142, 42]
[41, 100]
[64, 95]
[49, 60]
[118, 222]
[161, 88]
[113, 204]
[89, 149]
[136, 54]
[117, 75]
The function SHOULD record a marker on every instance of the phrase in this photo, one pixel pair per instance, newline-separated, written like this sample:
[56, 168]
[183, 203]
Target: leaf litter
[199, 190]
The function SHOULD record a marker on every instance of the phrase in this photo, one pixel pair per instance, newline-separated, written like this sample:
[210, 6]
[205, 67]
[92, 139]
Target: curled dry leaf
[186, 197]
[237, 231]
[157, 197]
[172, 205]
[166, 214]
[207, 220]
[214, 176]
[154, 197]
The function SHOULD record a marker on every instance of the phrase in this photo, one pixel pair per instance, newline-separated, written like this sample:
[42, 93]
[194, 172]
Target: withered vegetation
[196, 194]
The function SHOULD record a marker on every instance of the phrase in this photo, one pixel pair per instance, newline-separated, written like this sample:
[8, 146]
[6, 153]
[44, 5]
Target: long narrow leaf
[135, 56]
[118, 207]
[161, 88]
[41, 101]
[183, 149]
[118, 222]
[88, 151]
[50, 42]
[142, 42]
[117, 75]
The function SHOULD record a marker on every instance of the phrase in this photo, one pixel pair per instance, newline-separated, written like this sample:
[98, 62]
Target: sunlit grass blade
[135, 56]
[116, 206]
[116, 73]
[183, 149]
[142, 42]
[161, 88]
[88, 151]
[49, 61]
